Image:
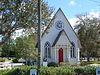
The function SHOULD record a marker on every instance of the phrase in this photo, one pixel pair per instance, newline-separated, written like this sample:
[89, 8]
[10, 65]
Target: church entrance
[60, 55]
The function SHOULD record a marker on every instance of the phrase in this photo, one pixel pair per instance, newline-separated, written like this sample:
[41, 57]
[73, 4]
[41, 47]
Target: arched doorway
[60, 55]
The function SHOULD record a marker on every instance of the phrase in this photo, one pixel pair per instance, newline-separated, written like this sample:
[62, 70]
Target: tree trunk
[94, 58]
[98, 58]
[88, 58]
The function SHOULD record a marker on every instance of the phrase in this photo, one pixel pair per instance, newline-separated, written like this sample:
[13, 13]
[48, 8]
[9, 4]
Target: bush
[87, 70]
[15, 60]
[52, 64]
[65, 70]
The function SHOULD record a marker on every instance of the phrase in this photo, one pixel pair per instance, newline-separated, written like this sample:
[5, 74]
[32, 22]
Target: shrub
[15, 60]
[87, 70]
[24, 70]
[52, 64]
[63, 70]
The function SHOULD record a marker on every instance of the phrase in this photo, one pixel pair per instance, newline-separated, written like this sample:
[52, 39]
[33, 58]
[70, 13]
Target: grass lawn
[5, 60]
[84, 63]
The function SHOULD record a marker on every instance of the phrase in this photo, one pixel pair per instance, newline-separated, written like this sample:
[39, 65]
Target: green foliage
[24, 70]
[15, 60]
[88, 70]
[67, 70]
[8, 49]
[88, 28]
[21, 14]
[25, 47]
[52, 64]
[21, 47]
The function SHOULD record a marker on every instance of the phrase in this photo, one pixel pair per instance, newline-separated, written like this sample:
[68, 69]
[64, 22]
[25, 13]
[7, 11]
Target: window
[47, 48]
[72, 51]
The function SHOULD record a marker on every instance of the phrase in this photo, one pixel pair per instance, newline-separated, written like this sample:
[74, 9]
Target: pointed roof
[57, 38]
[68, 23]
[51, 21]
[54, 18]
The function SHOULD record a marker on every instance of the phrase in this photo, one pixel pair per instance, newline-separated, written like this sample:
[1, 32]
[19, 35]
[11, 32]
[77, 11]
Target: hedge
[67, 70]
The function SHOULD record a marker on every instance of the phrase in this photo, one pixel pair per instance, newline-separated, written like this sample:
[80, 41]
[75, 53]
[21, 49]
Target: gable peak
[60, 10]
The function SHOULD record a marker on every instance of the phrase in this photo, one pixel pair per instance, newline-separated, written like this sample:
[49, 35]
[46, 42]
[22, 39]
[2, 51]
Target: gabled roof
[51, 21]
[72, 29]
[54, 18]
[60, 32]
[57, 38]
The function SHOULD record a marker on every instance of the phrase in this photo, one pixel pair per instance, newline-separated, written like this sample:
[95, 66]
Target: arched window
[47, 50]
[72, 51]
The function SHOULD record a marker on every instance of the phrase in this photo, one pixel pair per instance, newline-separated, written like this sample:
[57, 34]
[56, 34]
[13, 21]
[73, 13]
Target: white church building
[59, 42]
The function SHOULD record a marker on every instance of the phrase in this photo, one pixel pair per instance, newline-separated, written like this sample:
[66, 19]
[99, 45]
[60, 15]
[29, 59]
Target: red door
[60, 55]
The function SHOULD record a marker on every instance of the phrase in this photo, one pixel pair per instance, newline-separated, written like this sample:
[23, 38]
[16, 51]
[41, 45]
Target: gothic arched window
[47, 50]
[72, 51]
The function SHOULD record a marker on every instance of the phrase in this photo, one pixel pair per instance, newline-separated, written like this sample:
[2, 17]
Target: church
[59, 42]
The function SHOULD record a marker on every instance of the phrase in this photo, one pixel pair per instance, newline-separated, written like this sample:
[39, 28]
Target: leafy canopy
[19, 14]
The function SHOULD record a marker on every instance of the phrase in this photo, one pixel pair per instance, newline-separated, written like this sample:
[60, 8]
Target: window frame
[47, 50]
[72, 50]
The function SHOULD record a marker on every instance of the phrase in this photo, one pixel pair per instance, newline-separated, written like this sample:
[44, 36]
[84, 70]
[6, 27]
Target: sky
[71, 8]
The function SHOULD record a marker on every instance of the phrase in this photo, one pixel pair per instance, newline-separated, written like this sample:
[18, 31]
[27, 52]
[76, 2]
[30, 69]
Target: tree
[21, 47]
[25, 47]
[88, 28]
[18, 14]
[8, 49]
